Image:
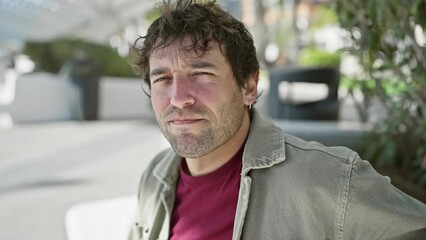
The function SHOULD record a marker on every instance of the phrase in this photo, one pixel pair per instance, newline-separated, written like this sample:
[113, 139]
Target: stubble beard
[217, 132]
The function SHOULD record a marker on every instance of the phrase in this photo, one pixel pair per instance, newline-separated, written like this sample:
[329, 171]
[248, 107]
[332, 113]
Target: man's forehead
[186, 48]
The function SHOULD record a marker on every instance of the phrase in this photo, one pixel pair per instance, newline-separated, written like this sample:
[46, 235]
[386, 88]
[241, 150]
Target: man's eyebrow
[202, 64]
[195, 64]
[157, 71]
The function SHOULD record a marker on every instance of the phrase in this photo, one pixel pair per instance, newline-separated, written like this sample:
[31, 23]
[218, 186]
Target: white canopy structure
[93, 20]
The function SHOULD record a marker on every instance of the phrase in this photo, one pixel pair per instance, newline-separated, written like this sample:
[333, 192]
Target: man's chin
[184, 133]
[189, 146]
[188, 152]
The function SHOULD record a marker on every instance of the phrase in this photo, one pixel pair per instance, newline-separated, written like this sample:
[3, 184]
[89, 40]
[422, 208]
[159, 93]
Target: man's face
[196, 100]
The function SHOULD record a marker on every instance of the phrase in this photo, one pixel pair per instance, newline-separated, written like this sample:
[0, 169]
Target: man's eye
[161, 79]
[203, 73]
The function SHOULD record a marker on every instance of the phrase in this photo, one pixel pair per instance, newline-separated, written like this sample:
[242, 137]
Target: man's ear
[250, 89]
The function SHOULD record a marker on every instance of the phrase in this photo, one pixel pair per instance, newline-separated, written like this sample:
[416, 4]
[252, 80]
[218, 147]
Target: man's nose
[181, 94]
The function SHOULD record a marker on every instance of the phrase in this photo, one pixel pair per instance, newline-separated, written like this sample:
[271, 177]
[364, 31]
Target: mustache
[174, 112]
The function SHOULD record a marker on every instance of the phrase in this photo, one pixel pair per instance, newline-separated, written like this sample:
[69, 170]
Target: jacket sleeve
[136, 230]
[376, 209]
[134, 233]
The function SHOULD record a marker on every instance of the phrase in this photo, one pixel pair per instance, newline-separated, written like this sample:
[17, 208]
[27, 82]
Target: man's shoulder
[298, 147]
[160, 165]
[267, 131]
[159, 158]
[162, 169]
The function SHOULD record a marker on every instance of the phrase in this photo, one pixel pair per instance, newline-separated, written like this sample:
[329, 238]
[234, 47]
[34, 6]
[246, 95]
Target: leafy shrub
[384, 41]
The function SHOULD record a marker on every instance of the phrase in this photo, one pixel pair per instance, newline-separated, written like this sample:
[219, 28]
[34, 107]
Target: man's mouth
[184, 121]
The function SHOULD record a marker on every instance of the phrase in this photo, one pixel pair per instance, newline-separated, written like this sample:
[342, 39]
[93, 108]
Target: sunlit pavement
[47, 168]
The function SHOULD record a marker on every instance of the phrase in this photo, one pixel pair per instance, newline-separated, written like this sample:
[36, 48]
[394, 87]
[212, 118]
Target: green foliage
[382, 35]
[399, 142]
[366, 86]
[152, 15]
[322, 16]
[50, 56]
[312, 56]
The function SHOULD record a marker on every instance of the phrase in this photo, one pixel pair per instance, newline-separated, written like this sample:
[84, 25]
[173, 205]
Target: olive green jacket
[291, 189]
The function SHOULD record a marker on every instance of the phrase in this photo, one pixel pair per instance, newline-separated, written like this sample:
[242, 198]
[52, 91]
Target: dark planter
[325, 109]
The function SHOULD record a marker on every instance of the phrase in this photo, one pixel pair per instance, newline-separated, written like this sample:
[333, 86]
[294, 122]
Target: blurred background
[77, 130]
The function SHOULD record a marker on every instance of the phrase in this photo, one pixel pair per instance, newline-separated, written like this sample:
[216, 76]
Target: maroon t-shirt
[205, 205]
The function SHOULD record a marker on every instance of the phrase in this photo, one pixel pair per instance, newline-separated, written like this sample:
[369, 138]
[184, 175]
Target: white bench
[108, 219]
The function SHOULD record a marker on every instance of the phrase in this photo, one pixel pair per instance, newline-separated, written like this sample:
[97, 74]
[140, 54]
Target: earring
[249, 106]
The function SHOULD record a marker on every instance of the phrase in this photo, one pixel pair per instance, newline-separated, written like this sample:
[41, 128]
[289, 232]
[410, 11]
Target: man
[231, 174]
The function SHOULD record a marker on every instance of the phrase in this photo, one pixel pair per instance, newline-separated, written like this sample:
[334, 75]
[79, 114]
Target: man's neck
[218, 157]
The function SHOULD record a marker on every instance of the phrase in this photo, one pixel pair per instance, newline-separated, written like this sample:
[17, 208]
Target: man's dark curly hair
[204, 22]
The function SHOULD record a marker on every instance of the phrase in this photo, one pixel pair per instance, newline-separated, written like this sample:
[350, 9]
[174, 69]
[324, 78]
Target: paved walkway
[47, 168]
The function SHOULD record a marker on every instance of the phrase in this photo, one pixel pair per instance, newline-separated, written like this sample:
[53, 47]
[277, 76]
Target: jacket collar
[167, 169]
[264, 148]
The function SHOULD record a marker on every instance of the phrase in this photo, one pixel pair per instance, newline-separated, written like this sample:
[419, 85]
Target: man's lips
[185, 121]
